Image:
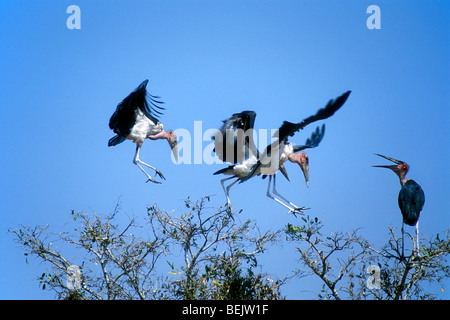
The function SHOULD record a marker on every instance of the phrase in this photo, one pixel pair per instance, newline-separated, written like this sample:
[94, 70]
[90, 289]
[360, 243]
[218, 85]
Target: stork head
[302, 160]
[172, 139]
[400, 167]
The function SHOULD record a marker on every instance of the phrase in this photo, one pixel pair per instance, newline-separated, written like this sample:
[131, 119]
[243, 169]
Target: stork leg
[403, 239]
[137, 162]
[296, 208]
[417, 236]
[291, 209]
[227, 190]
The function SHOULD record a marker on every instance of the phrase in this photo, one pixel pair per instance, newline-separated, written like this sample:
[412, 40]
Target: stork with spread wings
[234, 143]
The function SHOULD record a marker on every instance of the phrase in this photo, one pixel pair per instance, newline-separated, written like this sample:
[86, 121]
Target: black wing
[411, 200]
[123, 119]
[234, 142]
[313, 141]
[289, 128]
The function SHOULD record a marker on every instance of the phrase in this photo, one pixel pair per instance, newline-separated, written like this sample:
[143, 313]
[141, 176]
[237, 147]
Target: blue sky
[207, 60]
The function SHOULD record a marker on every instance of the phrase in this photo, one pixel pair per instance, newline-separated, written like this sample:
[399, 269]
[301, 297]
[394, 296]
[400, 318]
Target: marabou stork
[234, 143]
[135, 119]
[411, 197]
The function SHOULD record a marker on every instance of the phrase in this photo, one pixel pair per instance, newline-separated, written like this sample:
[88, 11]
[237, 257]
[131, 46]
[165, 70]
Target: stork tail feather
[116, 140]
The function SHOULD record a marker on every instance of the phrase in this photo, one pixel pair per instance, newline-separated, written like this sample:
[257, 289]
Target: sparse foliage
[332, 258]
[346, 262]
[216, 250]
[403, 277]
[206, 253]
[219, 257]
[116, 263]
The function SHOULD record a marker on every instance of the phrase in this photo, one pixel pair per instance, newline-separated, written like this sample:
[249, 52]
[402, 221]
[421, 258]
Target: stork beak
[390, 159]
[173, 142]
[393, 167]
[305, 168]
[284, 172]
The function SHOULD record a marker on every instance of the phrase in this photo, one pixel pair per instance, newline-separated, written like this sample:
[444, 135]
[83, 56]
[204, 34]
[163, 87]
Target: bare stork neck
[161, 135]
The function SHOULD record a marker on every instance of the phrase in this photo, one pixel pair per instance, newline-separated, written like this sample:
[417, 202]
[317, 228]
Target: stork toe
[153, 180]
[159, 173]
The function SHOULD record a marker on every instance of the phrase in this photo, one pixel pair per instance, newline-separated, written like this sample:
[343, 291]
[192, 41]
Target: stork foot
[159, 173]
[229, 210]
[152, 180]
[297, 210]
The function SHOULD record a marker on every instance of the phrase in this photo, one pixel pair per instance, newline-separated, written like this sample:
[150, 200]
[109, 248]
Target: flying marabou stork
[234, 143]
[411, 197]
[136, 119]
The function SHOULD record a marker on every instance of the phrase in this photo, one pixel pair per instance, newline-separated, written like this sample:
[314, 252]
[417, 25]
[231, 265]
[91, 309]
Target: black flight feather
[124, 118]
[289, 128]
[234, 142]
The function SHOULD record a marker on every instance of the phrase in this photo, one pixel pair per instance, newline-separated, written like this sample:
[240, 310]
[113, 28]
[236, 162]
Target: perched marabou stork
[411, 197]
[234, 143]
[135, 119]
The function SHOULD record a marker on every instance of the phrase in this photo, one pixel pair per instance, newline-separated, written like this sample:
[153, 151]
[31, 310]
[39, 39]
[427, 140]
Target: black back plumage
[411, 199]
[124, 118]
[234, 142]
